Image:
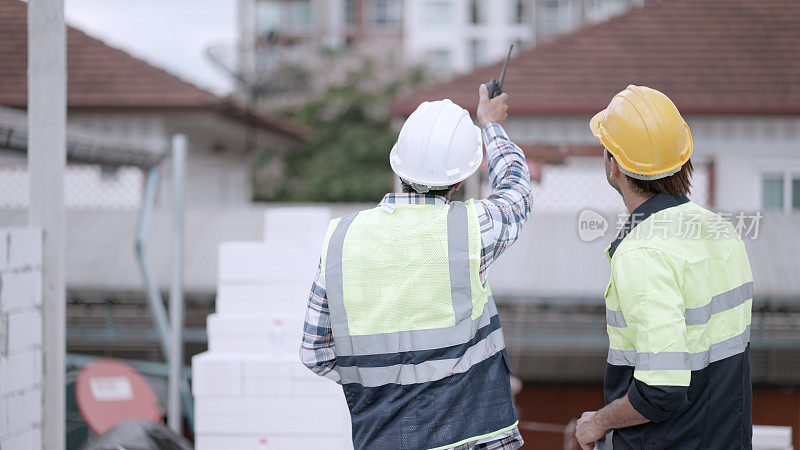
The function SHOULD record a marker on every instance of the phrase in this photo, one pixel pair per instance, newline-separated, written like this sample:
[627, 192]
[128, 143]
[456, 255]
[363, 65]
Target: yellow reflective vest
[678, 310]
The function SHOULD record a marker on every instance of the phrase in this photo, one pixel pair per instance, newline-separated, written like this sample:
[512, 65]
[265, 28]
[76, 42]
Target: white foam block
[301, 223]
[258, 262]
[24, 331]
[270, 368]
[767, 437]
[244, 325]
[21, 371]
[273, 441]
[26, 247]
[269, 415]
[255, 334]
[23, 410]
[216, 374]
[247, 306]
[260, 345]
[287, 377]
[3, 258]
[21, 290]
[262, 297]
[29, 439]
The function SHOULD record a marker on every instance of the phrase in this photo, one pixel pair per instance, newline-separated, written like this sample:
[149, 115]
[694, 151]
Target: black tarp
[138, 435]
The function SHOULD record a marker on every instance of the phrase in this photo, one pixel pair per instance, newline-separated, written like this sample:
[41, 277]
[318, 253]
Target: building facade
[330, 23]
[455, 36]
[448, 36]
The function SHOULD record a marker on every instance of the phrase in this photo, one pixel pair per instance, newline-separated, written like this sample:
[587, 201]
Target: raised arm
[510, 203]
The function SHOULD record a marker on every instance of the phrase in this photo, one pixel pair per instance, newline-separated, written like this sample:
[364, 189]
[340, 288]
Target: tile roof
[709, 56]
[100, 76]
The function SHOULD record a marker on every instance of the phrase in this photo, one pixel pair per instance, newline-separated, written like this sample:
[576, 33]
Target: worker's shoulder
[680, 233]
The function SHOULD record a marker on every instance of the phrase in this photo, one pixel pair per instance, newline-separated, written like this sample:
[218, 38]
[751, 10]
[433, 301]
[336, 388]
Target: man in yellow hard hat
[678, 305]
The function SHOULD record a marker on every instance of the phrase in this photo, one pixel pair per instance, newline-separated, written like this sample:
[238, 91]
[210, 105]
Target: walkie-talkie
[496, 87]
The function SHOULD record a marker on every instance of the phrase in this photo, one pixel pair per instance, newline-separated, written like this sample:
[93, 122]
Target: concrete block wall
[20, 338]
[251, 390]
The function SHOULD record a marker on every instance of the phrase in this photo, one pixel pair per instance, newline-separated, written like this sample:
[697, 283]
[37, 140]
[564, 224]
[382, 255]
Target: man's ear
[458, 185]
[614, 168]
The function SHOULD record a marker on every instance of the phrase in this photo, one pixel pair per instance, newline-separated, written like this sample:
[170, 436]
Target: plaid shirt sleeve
[317, 351]
[509, 205]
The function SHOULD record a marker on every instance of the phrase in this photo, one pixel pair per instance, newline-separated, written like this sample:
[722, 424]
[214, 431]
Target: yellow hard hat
[644, 131]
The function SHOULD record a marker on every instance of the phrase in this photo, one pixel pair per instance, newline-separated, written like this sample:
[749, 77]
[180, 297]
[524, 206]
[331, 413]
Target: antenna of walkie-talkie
[496, 87]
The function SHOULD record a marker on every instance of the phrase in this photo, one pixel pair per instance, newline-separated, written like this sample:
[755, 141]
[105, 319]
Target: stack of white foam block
[20, 338]
[251, 391]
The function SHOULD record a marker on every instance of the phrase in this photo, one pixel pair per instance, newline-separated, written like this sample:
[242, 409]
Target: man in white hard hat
[400, 313]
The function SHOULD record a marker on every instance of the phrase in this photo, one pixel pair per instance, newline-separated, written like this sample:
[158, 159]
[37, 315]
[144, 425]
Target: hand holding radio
[495, 87]
[493, 103]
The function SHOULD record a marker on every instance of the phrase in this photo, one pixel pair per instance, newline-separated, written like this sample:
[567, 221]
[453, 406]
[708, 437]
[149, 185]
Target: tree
[347, 158]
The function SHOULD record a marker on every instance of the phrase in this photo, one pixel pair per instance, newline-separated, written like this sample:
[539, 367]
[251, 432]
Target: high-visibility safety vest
[418, 342]
[678, 310]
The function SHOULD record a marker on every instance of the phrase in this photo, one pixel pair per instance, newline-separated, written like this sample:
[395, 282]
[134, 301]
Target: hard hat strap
[639, 176]
[423, 188]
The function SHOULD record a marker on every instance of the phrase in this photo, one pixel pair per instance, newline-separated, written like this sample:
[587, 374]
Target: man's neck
[633, 199]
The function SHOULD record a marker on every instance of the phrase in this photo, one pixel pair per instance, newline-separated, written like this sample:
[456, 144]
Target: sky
[170, 34]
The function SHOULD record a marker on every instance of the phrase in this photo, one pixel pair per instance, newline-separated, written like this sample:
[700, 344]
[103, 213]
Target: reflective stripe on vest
[701, 315]
[680, 360]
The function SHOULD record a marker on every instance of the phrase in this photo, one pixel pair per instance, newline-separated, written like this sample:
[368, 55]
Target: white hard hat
[438, 146]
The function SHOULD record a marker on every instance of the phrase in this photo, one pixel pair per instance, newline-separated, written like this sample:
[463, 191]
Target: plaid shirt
[501, 218]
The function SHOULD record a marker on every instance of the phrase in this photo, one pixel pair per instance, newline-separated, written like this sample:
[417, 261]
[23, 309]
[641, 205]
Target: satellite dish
[266, 68]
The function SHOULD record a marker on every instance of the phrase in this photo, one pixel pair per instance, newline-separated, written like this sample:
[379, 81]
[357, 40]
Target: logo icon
[591, 225]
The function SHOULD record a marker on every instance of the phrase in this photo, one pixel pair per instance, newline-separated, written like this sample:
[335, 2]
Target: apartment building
[455, 36]
[332, 23]
[449, 36]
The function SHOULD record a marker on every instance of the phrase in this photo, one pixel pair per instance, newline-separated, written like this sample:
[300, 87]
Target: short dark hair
[440, 192]
[676, 185]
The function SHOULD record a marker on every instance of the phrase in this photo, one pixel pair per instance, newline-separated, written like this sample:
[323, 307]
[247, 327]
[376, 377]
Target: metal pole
[175, 417]
[154, 299]
[47, 156]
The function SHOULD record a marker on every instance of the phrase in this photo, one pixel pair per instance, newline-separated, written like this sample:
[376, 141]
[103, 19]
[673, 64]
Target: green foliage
[347, 158]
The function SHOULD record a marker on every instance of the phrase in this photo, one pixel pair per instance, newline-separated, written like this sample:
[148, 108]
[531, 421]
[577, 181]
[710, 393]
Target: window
[555, 17]
[477, 52]
[781, 191]
[350, 10]
[437, 12]
[439, 61]
[772, 192]
[475, 12]
[386, 13]
[268, 17]
[520, 12]
[300, 15]
[796, 194]
[109, 173]
[601, 10]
